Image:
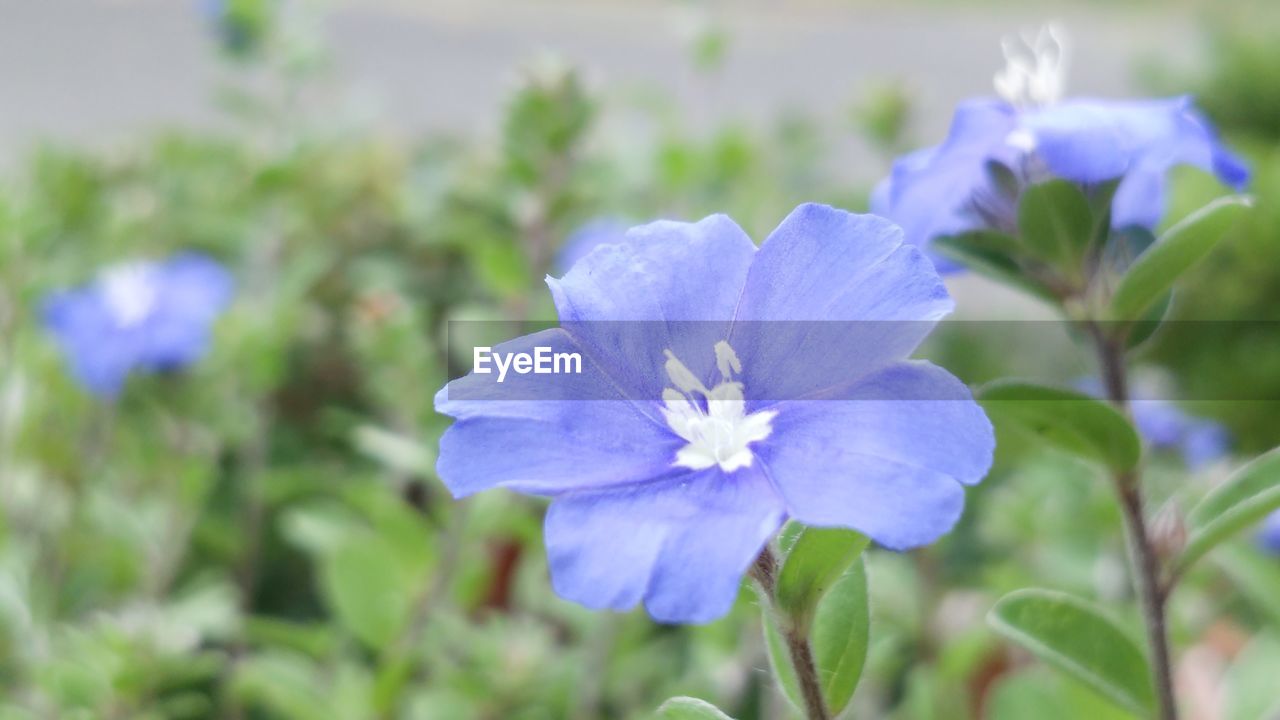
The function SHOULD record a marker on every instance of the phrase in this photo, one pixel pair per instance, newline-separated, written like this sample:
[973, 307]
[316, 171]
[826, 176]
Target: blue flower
[144, 315]
[590, 235]
[1269, 534]
[718, 397]
[948, 189]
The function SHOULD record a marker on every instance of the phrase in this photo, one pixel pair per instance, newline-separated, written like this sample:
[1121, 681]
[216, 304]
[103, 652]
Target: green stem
[799, 651]
[1152, 593]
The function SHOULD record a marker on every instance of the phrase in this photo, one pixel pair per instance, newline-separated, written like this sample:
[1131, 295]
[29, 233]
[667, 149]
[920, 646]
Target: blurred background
[263, 535]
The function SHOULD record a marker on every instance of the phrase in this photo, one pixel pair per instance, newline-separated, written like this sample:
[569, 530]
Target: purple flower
[1269, 534]
[729, 390]
[138, 315]
[949, 189]
[589, 236]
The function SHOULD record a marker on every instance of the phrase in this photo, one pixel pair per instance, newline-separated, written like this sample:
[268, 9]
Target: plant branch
[1152, 593]
[799, 651]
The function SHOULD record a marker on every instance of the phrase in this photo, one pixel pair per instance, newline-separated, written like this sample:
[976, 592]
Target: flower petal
[548, 433]
[193, 290]
[831, 297]
[929, 191]
[1096, 140]
[887, 459]
[99, 354]
[681, 544]
[619, 299]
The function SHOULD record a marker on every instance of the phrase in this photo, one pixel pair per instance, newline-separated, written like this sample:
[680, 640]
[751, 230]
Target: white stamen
[723, 432]
[129, 291]
[1035, 68]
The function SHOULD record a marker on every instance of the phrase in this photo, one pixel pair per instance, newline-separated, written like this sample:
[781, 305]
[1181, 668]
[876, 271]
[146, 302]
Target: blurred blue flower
[1269, 534]
[138, 315]
[589, 236]
[1035, 135]
[1165, 426]
[734, 403]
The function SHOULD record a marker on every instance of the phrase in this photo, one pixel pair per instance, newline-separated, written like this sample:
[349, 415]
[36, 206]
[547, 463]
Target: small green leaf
[990, 254]
[1245, 498]
[840, 635]
[818, 558]
[1075, 637]
[1056, 222]
[1071, 421]
[1180, 248]
[687, 708]
[839, 638]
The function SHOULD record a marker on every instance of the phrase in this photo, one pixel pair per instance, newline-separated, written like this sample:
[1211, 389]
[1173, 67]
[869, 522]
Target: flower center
[1035, 68]
[714, 421]
[129, 291]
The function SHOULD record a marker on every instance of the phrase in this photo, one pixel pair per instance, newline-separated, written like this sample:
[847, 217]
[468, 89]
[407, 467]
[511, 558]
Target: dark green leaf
[1069, 420]
[1075, 637]
[1247, 497]
[990, 254]
[1177, 250]
[1056, 222]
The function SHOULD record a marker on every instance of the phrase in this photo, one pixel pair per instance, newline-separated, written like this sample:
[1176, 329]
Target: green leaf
[1255, 575]
[687, 708]
[1075, 637]
[1056, 222]
[818, 558]
[840, 635]
[369, 588]
[990, 254]
[1179, 249]
[1069, 420]
[839, 638]
[1244, 499]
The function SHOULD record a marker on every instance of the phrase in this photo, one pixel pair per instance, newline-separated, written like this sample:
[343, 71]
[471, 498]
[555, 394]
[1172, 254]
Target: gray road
[99, 70]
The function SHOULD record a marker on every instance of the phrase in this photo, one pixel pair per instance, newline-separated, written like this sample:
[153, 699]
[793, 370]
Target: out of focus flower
[1165, 426]
[589, 236]
[1031, 134]
[240, 25]
[142, 315]
[1269, 535]
[716, 399]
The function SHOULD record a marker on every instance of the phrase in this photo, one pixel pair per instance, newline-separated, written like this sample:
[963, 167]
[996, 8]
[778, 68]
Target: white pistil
[720, 434]
[1035, 68]
[129, 291]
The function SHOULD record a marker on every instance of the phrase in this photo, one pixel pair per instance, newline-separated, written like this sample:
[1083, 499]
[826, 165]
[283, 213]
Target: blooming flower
[717, 398]
[1035, 135]
[138, 315]
[591, 234]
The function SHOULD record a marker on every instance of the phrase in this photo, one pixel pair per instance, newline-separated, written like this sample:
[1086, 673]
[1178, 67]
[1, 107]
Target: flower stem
[799, 651]
[1152, 593]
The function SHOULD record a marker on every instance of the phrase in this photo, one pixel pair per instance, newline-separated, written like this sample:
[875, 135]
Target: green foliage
[839, 634]
[686, 708]
[1177, 250]
[1077, 638]
[1241, 501]
[1068, 420]
[817, 559]
[1056, 223]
